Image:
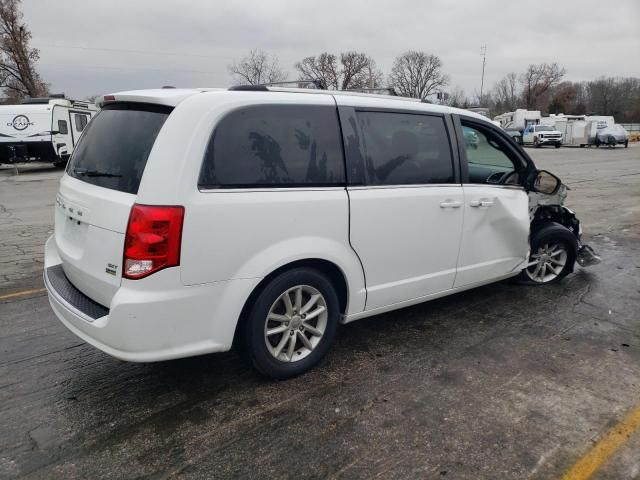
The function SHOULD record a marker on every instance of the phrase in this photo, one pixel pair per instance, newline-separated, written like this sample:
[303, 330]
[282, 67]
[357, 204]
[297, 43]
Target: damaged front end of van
[556, 233]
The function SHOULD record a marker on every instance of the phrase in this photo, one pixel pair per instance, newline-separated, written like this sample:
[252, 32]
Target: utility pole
[483, 54]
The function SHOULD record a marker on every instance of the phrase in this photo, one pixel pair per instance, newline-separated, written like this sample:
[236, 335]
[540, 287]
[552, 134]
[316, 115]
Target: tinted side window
[62, 127]
[404, 148]
[275, 145]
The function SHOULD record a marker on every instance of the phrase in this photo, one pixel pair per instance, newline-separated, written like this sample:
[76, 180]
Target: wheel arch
[547, 214]
[335, 274]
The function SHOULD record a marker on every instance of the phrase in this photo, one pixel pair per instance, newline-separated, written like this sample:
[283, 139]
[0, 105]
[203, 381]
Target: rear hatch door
[97, 192]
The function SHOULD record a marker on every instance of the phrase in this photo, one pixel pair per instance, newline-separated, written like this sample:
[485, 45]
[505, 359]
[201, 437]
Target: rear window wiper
[94, 173]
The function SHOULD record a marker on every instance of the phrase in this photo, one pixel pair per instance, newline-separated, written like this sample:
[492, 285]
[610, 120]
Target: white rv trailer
[42, 129]
[519, 120]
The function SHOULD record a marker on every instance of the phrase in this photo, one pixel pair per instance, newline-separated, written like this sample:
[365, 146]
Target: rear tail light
[152, 241]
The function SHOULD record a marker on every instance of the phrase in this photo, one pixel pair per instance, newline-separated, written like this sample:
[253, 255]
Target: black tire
[626, 144]
[60, 164]
[598, 143]
[254, 345]
[535, 143]
[552, 233]
[557, 145]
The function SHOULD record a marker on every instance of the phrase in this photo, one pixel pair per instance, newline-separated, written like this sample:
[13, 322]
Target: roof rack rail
[262, 87]
[390, 90]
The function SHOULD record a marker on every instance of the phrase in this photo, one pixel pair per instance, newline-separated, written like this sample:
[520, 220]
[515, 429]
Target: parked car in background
[540, 135]
[612, 135]
[191, 219]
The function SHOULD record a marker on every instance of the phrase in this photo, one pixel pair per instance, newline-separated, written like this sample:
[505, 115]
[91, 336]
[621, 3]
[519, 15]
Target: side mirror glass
[546, 183]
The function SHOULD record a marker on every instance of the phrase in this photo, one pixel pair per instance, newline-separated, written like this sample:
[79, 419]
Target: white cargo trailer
[42, 129]
[578, 130]
[519, 119]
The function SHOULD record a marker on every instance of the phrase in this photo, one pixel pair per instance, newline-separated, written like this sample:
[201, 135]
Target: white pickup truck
[539, 135]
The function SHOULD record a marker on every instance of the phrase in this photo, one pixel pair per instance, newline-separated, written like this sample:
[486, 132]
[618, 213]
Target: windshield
[544, 128]
[113, 151]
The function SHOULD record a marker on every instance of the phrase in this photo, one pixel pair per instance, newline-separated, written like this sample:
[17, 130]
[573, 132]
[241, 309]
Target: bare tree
[323, 68]
[373, 76]
[538, 80]
[18, 75]
[605, 93]
[417, 74]
[505, 92]
[457, 98]
[349, 70]
[256, 68]
[563, 98]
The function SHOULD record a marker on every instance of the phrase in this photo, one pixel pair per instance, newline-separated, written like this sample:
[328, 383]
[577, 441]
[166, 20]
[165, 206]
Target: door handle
[450, 204]
[481, 203]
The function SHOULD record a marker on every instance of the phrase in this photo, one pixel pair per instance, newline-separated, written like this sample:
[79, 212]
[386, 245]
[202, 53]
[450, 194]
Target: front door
[406, 214]
[495, 238]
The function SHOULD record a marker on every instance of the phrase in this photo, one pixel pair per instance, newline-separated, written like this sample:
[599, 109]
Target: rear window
[275, 146]
[114, 148]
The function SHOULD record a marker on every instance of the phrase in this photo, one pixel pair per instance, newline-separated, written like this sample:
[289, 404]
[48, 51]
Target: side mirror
[546, 182]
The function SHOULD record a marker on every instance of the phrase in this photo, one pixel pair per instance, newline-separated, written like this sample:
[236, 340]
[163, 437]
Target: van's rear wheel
[553, 254]
[292, 323]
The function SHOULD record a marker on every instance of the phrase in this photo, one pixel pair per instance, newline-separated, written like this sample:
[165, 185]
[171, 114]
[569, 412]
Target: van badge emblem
[111, 269]
[20, 122]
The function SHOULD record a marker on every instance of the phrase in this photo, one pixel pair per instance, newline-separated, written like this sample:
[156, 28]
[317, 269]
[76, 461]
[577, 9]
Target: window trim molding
[403, 185]
[276, 189]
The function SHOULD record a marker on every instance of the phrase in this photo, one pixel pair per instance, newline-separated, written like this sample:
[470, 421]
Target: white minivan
[191, 220]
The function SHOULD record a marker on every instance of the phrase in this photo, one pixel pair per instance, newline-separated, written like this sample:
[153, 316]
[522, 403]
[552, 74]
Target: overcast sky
[95, 47]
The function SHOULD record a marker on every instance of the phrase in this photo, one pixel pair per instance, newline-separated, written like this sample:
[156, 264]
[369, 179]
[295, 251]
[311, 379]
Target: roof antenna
[483, 54]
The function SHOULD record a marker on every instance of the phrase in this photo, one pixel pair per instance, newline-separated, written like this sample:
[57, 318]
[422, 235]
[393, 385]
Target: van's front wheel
[553, 254]
[292, 323]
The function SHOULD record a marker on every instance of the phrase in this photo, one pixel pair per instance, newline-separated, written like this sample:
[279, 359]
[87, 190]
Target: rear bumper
[153, 319]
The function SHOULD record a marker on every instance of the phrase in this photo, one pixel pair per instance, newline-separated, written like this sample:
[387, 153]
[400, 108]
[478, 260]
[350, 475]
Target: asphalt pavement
[501, 382]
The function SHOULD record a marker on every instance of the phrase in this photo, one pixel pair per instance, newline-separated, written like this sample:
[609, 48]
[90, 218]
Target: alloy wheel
[296, 323]
[547, 263]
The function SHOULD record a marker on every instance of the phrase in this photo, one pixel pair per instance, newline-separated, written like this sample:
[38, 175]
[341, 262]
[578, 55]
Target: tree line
[413, 74]
[420, 75]
[542, 87]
